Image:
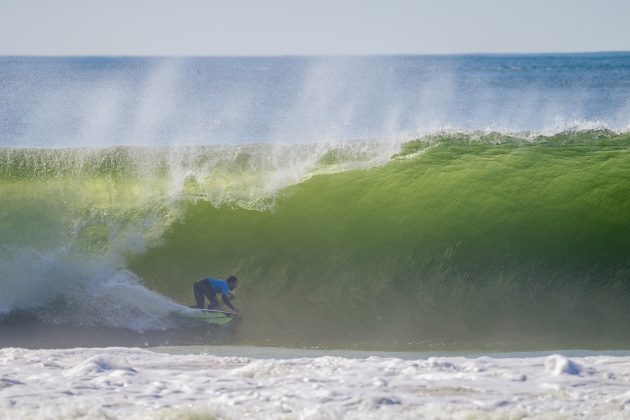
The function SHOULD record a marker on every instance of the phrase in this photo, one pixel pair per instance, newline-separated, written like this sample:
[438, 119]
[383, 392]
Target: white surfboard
[210, 316]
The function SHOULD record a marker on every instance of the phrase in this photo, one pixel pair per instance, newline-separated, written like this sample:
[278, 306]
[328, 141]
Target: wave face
[453, 240]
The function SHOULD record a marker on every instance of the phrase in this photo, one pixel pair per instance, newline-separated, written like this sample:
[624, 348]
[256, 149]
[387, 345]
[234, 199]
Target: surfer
[210, 287]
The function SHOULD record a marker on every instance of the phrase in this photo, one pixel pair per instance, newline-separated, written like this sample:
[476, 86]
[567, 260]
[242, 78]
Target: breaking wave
[462, 239]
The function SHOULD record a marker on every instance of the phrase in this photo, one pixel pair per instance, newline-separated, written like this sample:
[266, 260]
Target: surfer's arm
[226, 300]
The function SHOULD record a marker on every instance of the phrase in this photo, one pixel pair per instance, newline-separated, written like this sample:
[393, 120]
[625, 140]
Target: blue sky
[284, 27]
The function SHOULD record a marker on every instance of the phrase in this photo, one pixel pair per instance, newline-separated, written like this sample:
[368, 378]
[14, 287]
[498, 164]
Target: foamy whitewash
[133, 383]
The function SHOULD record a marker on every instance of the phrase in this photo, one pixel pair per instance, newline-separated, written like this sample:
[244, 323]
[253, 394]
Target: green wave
[459, 240]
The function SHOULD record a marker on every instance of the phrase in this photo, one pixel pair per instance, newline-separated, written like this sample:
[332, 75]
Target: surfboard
[210, 316]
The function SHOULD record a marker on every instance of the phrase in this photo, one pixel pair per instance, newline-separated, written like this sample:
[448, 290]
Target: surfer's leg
[199, 291]
[213, 301]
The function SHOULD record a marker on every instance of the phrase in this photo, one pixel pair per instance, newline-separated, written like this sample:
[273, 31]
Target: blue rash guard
[219, 286]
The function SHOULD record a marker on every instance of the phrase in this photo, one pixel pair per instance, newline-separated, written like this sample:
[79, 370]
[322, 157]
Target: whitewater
[134, 383]
[414, 236]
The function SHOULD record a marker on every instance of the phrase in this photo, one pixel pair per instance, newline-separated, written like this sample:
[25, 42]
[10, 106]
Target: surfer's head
[232, 281]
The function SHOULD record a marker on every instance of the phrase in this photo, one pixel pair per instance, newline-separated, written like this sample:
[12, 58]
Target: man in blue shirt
[210, 288]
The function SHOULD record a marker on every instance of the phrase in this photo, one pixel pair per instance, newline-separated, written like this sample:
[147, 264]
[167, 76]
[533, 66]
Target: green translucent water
[468, 240]
[457, 239]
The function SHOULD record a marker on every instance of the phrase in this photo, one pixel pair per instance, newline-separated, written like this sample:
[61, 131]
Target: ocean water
[407, 204]
[135, 383]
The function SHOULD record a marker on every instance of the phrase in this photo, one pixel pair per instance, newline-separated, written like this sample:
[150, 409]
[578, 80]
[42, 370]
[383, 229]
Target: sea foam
[133, 383]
